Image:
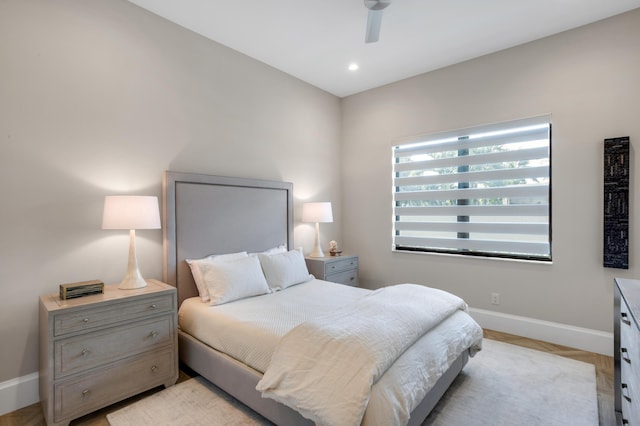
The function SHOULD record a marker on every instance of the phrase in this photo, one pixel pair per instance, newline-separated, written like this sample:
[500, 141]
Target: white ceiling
[315, 41]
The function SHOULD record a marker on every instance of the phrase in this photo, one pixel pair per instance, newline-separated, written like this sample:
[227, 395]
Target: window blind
[480, 191]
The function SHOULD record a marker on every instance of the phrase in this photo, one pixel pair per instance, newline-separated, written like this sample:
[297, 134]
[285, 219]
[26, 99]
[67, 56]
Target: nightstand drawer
[84, 352]
[334, 266]
[347, 277]
[342, 270]
[86, 319]
[128, 377]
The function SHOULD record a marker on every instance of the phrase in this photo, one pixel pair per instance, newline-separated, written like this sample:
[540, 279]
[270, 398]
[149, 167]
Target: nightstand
[97, 350]
[337, 269]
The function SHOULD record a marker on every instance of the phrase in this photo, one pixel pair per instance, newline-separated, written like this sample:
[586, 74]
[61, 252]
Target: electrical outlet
[495, 298]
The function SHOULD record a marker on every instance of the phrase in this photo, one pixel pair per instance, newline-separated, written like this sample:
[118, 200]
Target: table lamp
[317, 212]
[131, 212]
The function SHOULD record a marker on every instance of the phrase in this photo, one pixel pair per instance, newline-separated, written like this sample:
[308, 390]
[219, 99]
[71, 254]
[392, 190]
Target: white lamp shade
[317, 212]
[130, 212]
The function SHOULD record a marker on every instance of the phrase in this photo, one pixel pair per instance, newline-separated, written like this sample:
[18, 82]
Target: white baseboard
[18, 393]
[562, 334]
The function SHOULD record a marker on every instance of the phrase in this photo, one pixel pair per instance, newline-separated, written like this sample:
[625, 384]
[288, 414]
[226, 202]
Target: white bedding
[325, 367]
[250, 330]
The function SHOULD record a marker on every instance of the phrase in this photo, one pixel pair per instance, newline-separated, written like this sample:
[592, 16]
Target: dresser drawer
[626, 337]
[629, 336]
[86, 319]
[628, 384]
[629, 350]
[629, 366]
[347, 277]
[78, 396]
[84, 352]
[335, 266]
[629, 402]
[625, 315]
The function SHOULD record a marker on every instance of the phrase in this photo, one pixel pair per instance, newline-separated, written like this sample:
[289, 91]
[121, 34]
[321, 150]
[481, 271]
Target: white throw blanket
[324, 368]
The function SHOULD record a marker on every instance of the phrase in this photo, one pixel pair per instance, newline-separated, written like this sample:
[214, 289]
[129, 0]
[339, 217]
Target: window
[483, 191]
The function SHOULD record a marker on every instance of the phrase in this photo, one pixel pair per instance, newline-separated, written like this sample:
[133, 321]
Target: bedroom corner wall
[587, 79]
[100, 97]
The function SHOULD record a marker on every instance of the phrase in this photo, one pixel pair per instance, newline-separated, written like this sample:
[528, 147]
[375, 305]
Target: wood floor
[32, 415]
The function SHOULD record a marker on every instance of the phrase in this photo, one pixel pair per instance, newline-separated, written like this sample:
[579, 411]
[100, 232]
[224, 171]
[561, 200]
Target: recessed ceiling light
[353, 67]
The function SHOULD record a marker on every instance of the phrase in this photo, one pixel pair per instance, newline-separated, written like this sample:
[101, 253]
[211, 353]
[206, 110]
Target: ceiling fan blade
[374, 22]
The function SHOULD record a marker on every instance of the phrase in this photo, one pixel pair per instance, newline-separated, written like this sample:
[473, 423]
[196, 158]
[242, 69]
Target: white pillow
[275, 250]
[196, 269]
[233, 280]
[283, 270]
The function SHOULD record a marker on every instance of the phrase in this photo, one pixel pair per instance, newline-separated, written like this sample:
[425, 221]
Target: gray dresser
[627, 351]
[337, 269]
[100, 349]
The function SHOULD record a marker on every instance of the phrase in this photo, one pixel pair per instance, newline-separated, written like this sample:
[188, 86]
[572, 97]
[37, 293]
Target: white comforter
[325, 368]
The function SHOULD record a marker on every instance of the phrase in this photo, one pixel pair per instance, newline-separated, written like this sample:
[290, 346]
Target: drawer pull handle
[624, 352]
[333, 267]
[85, 352]
[624, 318]
[154, 334]
[154, 368]
[352, 278]
[624, 388]
[85, 393]
[153, 306]
[85, 320]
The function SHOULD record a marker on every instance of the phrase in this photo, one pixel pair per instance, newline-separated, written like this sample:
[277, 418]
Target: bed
[207, 215]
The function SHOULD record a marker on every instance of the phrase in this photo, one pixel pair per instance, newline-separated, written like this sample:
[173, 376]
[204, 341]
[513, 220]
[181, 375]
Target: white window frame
[481, 191]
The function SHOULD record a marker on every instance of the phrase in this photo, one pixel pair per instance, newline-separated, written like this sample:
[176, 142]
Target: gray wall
[588, 79]
[100, 97]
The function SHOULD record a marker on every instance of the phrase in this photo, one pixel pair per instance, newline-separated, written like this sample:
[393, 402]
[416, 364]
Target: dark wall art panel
[616, 203]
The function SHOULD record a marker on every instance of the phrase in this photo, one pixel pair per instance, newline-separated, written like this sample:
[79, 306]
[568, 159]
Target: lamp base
[317, 250]
[132, 284]
[133, 279]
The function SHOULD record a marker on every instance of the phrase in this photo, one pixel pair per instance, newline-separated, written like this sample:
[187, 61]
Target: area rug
[510, 385]
[502, 385]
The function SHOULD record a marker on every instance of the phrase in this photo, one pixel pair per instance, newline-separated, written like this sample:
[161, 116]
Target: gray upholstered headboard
[205, 215]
